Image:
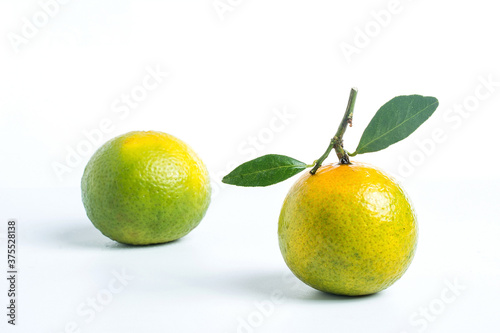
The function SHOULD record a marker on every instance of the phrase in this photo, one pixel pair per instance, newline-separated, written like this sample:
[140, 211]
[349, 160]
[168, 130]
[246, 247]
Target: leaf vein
[263, 171]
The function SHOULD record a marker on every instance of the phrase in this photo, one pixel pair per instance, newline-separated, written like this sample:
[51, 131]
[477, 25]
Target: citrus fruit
[145, 188]
[349, 229]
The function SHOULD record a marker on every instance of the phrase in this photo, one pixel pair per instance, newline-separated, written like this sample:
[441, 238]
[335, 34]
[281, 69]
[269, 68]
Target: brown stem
[337, 142]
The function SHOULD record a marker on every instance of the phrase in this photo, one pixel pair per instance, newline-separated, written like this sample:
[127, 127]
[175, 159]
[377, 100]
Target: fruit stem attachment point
[336, 142]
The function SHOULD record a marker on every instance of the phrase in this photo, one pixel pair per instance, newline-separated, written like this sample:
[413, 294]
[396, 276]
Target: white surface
[231, 81]
[218, 274]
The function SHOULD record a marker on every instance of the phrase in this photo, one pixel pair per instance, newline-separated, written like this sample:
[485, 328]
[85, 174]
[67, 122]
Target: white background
[230, 73]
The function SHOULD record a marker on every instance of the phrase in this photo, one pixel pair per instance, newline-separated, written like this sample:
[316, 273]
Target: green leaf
[394, 121]
[265, 170]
